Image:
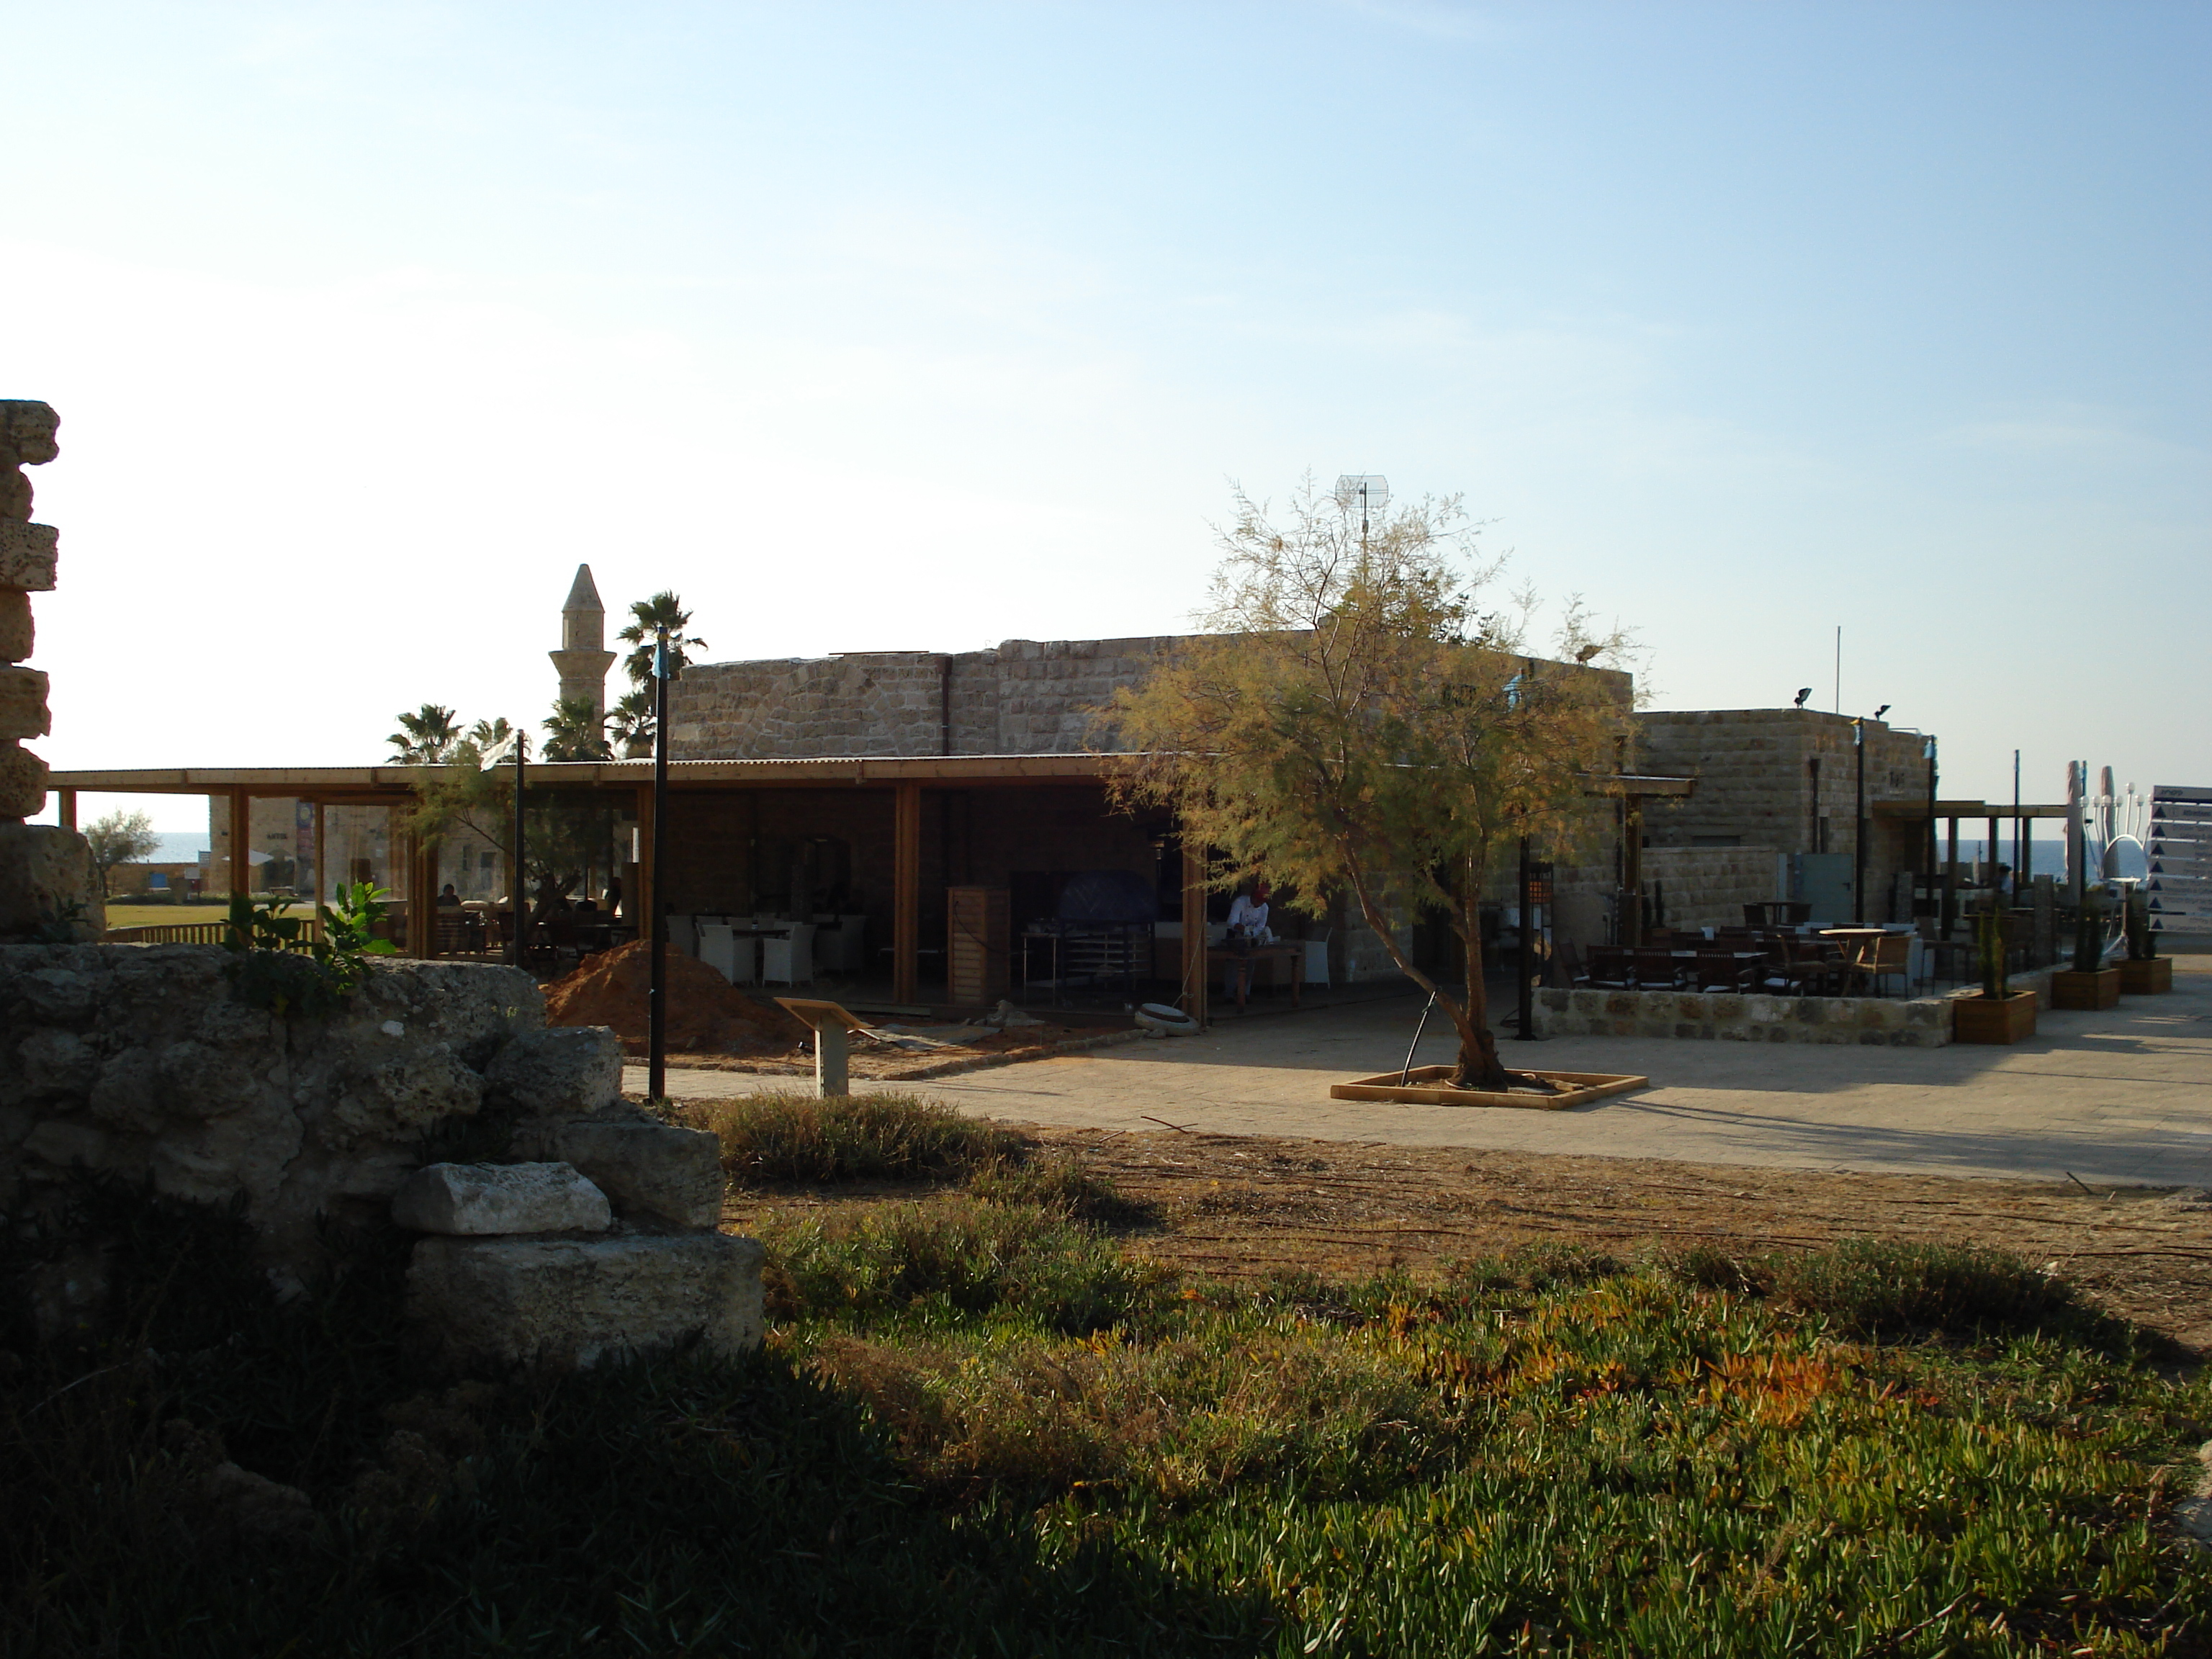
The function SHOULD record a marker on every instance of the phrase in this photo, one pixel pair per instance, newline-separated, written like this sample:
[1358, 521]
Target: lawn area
[989, 1419]
[164, 915]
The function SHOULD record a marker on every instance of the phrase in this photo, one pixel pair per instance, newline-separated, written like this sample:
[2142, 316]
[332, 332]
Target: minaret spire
[583, 659]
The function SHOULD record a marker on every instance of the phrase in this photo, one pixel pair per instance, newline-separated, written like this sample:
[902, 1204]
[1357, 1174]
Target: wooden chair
[1657, 970]
[1722, 971]
[1568, 970]
[1611, 968]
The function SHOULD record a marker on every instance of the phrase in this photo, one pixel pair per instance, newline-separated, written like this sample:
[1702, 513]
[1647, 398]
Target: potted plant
[1999, 1014]
[2145, 971]
[2088, 983]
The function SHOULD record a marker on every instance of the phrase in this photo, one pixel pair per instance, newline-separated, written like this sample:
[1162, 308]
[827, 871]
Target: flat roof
[360, 781]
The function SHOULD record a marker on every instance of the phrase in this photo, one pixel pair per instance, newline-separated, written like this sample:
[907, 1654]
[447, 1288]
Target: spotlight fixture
[1879, 711]
[1802, 695]
[1587, 652]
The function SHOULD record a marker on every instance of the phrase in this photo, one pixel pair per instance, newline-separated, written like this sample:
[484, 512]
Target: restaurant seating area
[1783, 961]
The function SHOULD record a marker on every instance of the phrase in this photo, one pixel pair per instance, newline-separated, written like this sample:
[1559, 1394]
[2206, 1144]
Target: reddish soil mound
[706, 1013]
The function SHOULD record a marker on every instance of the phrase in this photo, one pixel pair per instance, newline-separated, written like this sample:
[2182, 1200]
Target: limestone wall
[1709, 886]
[1024, 697]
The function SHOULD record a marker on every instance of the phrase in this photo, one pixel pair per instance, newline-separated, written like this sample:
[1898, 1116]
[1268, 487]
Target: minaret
[583, 659]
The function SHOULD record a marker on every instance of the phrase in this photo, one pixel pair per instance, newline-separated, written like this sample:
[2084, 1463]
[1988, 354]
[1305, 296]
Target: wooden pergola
[630, 783]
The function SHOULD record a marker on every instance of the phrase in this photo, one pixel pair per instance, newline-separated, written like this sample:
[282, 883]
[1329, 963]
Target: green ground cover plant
[774, 1138]
[988, 1426]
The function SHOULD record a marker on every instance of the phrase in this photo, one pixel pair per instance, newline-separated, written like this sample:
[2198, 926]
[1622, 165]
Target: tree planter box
[2139, 979]
[2099, 990]
[1425, 1085]
[2008, 1019]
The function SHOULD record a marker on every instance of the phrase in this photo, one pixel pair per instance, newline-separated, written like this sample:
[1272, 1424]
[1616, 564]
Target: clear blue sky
[923, 326]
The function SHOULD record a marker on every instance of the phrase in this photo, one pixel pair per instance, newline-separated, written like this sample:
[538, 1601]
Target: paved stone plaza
[2121, 1097]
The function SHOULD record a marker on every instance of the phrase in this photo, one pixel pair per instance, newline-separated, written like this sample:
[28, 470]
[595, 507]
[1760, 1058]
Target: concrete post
[832, 1073]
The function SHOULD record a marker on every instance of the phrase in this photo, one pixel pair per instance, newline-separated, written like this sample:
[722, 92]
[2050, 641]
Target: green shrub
[958, 1255]
[774, 1138]
[1065, 1186]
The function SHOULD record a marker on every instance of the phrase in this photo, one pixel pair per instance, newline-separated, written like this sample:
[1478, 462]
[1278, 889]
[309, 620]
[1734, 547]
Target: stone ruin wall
[47, 885]
[139, 1063]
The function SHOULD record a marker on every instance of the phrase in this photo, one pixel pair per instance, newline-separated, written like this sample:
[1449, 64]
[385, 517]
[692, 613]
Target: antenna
[1365, 491]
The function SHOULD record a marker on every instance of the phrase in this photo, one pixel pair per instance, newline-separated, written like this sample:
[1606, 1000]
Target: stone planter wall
[1731, 1016]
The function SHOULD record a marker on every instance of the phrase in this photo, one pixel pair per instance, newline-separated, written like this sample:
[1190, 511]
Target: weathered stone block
[646, 1169]
[48, 891]
[28, 554]
[478, 1199]
[18, 636]
[560, 1071]
[23, 703]
[27, 432]
[565, 1303]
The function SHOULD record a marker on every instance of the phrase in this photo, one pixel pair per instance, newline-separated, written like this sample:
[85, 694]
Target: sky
[923, 326]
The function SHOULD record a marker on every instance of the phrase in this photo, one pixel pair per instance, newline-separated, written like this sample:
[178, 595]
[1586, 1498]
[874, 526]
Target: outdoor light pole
[519, 882]
[1526, 970]
[1858, 831]
[656, 1063]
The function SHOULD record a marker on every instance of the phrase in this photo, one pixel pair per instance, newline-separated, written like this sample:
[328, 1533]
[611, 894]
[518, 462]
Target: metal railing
[185, 932]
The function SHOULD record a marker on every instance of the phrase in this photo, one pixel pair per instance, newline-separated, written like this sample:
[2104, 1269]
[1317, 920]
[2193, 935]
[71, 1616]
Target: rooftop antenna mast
[1367, 491]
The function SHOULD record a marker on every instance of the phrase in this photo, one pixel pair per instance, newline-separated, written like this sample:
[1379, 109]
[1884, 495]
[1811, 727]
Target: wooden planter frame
[2007, 1019]
[2086, 991]
[2148, 977]
[1424, 1086]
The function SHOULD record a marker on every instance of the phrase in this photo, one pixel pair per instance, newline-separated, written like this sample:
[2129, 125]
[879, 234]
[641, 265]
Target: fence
[187, 932]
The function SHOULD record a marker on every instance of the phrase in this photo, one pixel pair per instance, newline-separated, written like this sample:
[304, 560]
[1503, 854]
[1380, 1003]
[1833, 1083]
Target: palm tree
[425, 738]
[630, 723]
[647, 616]
[482, 738]
[574, 732]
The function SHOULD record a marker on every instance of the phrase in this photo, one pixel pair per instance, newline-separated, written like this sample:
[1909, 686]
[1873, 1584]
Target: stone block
[646, 1169]
[18, 635]
[47, 893]
[27, 432]
[568, 1304]
[23, 703]
[559, 1072]
[28, 554]
[473, 1201]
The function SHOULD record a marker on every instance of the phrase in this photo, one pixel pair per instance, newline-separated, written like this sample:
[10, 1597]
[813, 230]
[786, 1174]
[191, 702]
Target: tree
[1358, 723]
[574, 732]
[425, 738]
[119, 838]
[663, 609]
[630, 723]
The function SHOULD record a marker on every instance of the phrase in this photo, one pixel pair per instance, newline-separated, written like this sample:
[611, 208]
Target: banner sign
[2180, 885]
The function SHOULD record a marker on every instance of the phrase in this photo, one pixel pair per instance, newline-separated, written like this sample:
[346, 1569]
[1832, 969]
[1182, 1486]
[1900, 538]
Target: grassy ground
[164, 915]
[987, 1422]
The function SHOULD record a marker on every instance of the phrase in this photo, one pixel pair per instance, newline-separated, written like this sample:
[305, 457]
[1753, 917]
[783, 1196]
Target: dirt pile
[706, 1013]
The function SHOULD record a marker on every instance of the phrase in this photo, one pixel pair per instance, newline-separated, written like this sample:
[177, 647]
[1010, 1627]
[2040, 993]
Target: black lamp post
[1858, 832]
[656, 1062]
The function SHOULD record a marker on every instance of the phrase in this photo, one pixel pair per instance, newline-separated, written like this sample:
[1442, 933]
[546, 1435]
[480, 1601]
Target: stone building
[583, 659]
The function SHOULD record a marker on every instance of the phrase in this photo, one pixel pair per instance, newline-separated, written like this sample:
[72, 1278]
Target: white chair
[788, 959]
[1317, 960]
[717, 948]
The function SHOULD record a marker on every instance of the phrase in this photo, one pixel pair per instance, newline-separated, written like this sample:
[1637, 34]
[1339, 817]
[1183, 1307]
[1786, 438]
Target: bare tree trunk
[1478, 1066]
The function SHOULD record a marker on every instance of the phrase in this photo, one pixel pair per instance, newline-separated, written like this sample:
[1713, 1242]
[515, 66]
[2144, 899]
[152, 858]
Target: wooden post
[241, 832]
[905, 891]
[1631, 858]
[66, 807]
[324, 891]
[1950, 880]
[832, 1075]
[1194, 985]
